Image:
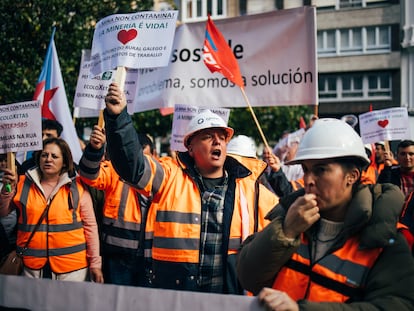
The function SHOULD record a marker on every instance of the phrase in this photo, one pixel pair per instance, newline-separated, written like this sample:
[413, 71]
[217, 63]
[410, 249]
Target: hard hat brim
[301, 159]
[189, 136]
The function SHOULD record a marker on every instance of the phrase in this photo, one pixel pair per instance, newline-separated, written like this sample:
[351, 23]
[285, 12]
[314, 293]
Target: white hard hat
[242, 145]
[204, 120]
[368, 146]
[330, 138]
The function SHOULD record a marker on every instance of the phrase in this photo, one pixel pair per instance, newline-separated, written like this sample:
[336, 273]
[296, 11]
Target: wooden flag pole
[11, 164]
[315, 110]
[387, 146]
[254, 118]
[120, 76]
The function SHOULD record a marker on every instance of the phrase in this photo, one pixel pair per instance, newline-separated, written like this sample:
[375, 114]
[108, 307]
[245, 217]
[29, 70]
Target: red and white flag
[218, 55]
[50, 90]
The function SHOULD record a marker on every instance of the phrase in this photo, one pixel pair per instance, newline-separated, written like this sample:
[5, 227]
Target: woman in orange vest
[335, 241]
[65, 246]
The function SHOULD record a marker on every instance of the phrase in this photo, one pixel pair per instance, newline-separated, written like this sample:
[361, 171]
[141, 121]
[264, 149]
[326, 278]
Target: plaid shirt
[210, 277]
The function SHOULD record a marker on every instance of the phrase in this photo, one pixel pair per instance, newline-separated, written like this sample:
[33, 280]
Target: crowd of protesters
[321, 222]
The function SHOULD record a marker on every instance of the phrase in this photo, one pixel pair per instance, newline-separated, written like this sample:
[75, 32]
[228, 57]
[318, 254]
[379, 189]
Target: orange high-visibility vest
[122, 215]
[175, 227]
[298, 184]
[60, 238]
[337, 277]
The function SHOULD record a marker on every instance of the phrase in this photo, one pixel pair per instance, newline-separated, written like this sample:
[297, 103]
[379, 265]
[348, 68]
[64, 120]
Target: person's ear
[353, 176]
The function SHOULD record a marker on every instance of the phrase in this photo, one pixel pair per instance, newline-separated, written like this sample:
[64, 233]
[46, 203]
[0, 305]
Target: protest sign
[386, 124]
[136, 40]
[276, 52]
[183, 114]
[90, 92]
[20, 127]
[45, 294]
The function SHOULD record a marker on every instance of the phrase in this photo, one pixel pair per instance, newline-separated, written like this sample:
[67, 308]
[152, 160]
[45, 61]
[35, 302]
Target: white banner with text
[277, 56]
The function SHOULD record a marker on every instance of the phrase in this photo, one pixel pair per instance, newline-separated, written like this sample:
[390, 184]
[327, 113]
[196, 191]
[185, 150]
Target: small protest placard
[90, 92]
[136, 40]
[20, 127]
[183, 114]
[386, 124]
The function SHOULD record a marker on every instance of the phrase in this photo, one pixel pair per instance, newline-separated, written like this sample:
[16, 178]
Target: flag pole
[315, 110]
[254, 118]
[120, 76]
[11, 164]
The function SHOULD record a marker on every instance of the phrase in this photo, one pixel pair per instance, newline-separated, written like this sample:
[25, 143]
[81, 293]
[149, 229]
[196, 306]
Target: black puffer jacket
[372, 214]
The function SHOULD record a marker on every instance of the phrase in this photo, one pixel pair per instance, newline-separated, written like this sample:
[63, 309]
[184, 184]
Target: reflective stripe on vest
[119, 232]
[337, 277]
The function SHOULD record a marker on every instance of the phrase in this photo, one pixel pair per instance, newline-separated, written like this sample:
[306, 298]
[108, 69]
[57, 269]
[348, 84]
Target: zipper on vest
[312, 252]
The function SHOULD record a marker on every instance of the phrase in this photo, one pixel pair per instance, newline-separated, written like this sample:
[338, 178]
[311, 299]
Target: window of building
[351, 40]
[326, 42]
[349, 87]
[352, 86]
[343, 4]
[379, 85]
[378, 38]
[346, 4]
[327, 87]
[364, 40]
[197, 10]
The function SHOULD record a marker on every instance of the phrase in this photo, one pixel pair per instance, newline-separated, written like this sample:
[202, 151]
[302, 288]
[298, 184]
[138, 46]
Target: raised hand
[115, 99]
[97, 138]
[302, 214]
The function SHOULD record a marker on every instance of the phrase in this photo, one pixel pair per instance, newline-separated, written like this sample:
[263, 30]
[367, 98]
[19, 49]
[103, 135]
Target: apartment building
[365, 48]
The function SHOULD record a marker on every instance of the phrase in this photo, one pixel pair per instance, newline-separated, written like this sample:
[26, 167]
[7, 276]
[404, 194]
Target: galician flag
[50, 90]
[218, 55]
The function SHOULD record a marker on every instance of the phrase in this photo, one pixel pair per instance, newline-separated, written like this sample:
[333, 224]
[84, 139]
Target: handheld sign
[90, 92]
[20, 130]
[182, 116]
[20, 127]
[136, 40]
[384, 125]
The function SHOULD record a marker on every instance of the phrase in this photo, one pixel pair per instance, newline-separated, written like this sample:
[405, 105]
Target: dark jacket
[175, 187]
[372, 215]
[390, 174]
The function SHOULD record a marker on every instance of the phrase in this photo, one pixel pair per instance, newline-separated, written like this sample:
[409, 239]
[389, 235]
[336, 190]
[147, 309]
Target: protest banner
[23, 293]
[90, 92]
[183, 114]
[136, 40]
[276, 53]
[20, 127]
[384, 125]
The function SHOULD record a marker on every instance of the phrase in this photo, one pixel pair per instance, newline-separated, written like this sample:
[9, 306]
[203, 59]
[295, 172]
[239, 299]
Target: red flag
[370, 107]
[165, 111]
[302, 123]
[50, 90]
[218, 55]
